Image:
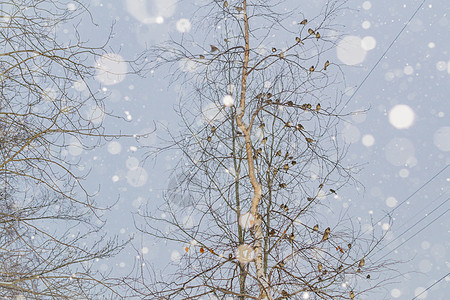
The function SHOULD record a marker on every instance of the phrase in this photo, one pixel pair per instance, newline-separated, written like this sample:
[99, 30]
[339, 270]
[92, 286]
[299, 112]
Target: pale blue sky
[402, 141]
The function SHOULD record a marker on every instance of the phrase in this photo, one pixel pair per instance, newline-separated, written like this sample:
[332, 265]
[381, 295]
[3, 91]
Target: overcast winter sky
[402, 141]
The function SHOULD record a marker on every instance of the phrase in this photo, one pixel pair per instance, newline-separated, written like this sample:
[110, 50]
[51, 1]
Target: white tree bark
[246, 130]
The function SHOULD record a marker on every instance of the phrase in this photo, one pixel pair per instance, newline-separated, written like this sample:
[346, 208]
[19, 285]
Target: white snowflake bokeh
[402, 141]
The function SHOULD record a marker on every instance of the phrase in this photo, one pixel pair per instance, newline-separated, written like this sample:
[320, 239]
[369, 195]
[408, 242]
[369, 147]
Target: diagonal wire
[382, 56]
[422, 229]
[352, 96]
[423, 218]
[409, 197]
[431, 286]
[364, 80]
[415, 192]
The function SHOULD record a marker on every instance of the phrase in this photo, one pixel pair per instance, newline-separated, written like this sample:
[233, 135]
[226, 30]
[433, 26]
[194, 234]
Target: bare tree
[49, 237]
[262, 162]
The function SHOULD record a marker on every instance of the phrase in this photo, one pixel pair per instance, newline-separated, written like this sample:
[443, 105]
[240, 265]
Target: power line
[422, 229]
[431, 286]
[426, 183]
[415, 192]
[410, 196]
[421, 211]
[382, 56]
[364, 80]
[428, 214]
[411, 227]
